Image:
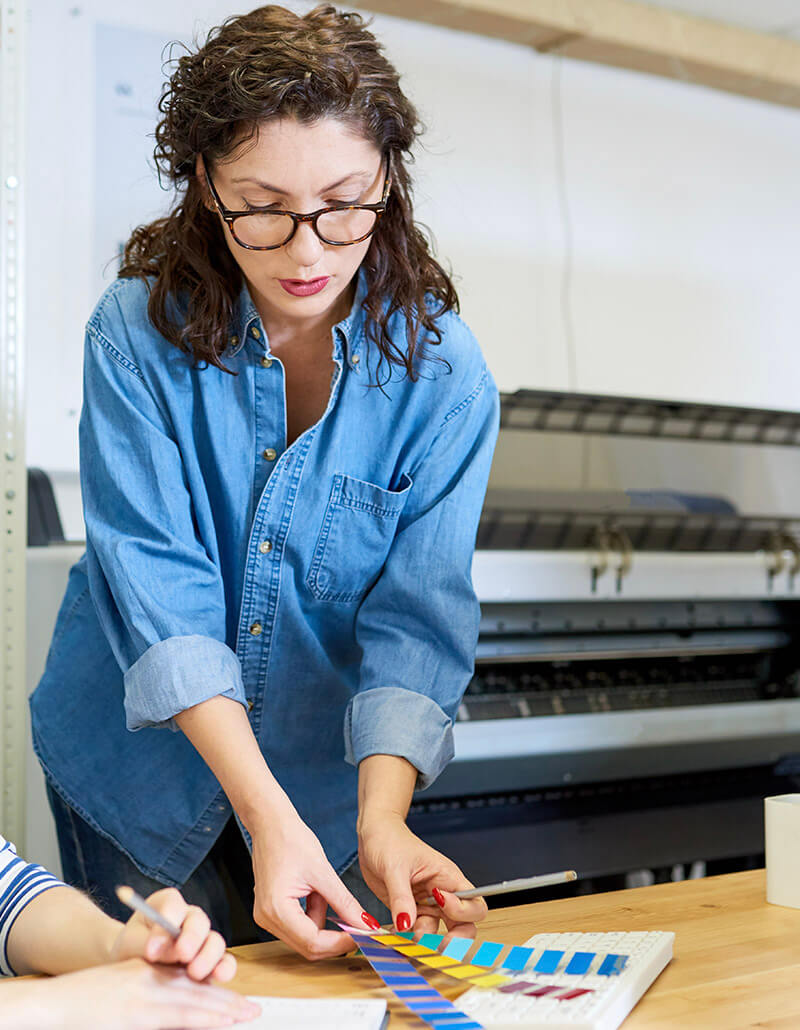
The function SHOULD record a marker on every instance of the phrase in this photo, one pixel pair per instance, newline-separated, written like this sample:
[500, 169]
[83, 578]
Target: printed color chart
[569, 980]
[412, 989]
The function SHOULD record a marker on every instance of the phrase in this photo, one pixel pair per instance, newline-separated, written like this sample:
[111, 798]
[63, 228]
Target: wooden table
[736, 963]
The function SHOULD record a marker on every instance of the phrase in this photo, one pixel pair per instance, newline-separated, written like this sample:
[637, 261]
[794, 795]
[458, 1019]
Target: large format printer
[636, 680]
[636, 690]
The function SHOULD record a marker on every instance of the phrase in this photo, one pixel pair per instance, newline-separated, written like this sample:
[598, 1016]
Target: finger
[343, 902]
[208, 957]
[169, 1012]
[200, 1004]
[317, 910]
[154, 1017]
[465, 930]
[177, 987]
[226, 969]
[426, 923]
[195, 930]
[397, 882]
[169, 903]
[158, 944]
[291, 924]
[459, 910]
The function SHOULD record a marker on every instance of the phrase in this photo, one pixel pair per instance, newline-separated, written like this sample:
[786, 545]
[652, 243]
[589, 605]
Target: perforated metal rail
[12, 463]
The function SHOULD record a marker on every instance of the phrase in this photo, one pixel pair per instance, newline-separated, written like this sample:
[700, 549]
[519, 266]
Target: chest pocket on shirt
[356, 534]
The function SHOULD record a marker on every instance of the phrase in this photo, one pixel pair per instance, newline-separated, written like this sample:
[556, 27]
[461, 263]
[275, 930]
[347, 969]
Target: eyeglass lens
[269, 229]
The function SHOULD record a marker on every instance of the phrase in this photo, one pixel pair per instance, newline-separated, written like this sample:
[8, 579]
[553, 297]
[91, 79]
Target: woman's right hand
[132, 995]
[288, 861]
[289, 864]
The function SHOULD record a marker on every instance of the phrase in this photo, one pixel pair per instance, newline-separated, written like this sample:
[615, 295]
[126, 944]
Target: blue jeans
[222, 885]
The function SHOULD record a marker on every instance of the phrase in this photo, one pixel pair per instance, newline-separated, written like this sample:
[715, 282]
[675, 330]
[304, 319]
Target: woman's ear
[200, 173]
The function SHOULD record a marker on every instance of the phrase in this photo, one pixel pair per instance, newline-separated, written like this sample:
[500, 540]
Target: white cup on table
[782, 845]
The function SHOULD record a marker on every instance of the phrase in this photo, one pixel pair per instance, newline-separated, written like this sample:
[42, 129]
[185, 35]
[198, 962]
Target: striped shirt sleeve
[20, 882]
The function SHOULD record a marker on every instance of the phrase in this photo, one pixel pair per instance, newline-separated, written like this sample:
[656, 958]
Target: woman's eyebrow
[285, 193]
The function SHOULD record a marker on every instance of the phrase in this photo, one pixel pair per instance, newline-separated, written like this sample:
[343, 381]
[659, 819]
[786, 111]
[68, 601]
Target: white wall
[610, 232]
[648, 225]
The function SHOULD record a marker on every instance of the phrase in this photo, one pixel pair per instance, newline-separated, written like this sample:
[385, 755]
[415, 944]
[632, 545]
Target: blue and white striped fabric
[20, 883]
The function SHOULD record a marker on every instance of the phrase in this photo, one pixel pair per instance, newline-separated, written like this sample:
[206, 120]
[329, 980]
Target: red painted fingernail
[403, 921]
[371, 921]
[438, 897]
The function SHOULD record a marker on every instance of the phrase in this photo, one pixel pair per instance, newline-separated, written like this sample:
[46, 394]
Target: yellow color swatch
[439, 962]
[490, 980]
[414, 950]
[390, 939]
[463, 972]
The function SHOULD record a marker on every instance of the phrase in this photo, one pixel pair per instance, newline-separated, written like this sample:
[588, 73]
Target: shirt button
[265, 547]
[270, 453]
[256, 333]
[356, 359]
[249, 706]
[256, 628]
[233, 341]
[266, 362]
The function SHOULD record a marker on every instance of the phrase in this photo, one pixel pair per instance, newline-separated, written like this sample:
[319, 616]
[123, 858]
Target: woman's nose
[305, 247]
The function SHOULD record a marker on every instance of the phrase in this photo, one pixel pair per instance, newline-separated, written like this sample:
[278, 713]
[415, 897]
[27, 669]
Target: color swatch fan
[574, 981]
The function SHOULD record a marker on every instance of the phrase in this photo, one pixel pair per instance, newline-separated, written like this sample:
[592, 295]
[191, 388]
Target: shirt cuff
[176, 674]
[396, 721]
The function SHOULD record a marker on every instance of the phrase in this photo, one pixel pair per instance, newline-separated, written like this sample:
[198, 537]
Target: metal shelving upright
[13, 489]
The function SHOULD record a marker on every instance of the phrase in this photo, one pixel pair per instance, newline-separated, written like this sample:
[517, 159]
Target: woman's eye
[260, 207]
[332, 202]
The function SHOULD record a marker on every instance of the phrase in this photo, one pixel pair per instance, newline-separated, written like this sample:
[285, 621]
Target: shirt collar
[245, 320]
[348, 334]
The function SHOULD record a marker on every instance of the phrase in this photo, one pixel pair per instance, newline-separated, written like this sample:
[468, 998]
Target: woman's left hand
[199, 948]
[403, 871]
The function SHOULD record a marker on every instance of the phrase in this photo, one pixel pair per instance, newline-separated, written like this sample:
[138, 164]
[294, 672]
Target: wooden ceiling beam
[626, 34]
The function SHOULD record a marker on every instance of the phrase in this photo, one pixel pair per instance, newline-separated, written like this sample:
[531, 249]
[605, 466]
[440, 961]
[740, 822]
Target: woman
[46, 927]
[285, 443]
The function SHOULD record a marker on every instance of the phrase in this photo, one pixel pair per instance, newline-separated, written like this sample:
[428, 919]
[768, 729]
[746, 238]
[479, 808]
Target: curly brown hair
[269, 64]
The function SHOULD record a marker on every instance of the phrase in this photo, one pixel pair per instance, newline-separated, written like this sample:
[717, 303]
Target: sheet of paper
[317, 1014]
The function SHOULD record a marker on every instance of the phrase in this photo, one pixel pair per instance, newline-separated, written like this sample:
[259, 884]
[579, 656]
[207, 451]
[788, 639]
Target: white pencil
[129, 897]
[506, 886]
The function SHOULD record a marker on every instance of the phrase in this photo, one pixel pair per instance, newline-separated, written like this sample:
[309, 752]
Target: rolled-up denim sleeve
[418, 625]
[157, 591]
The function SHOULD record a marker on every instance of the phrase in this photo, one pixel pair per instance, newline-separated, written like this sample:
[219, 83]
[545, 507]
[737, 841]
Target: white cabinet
[47, 568]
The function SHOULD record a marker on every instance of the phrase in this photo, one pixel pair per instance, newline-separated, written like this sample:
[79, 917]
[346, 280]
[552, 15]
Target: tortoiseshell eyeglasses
[340, 225]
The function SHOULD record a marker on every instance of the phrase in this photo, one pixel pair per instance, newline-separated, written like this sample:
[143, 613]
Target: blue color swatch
[458, 947]
[516, 958]
[612, 965]
[580, 962]
[486, 955]
[548, 963]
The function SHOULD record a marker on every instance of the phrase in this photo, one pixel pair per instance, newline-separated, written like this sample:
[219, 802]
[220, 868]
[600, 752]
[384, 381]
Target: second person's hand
[132, 995]
[199, 949]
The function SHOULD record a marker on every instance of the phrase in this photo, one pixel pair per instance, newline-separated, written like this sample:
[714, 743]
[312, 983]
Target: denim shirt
[325, 585]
